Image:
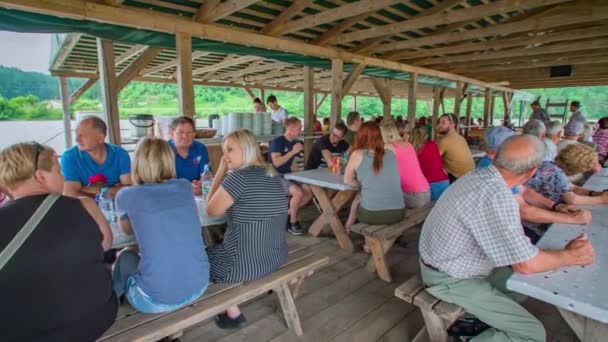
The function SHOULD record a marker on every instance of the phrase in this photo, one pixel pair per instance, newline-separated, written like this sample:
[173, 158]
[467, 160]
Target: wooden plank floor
[345, 303]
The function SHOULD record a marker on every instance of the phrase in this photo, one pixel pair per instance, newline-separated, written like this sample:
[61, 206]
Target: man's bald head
[520, 154]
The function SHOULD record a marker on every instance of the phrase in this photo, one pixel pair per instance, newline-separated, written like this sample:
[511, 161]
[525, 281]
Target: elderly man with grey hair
[552, 136]
[472, 236]
[573, 131]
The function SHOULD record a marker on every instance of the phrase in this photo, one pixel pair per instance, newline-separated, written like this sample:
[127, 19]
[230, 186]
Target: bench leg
[298, 286]
[378, 259]
[435, 327]
[289, 309]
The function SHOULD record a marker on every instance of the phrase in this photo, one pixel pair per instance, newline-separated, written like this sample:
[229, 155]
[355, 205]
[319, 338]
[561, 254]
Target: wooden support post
[383, 87]
[337, 76]
[458, 99]
[435, 117]
[262, 97]
[492, 102]
[309, 105]
[354, 106]
[185, 86]
[412, 95]
[320, 102]
[250, 92]
[487, 104]
[65, 105]
[508, 104]
[109, 95]
[83, 88]
[524, 113]
[468, 113]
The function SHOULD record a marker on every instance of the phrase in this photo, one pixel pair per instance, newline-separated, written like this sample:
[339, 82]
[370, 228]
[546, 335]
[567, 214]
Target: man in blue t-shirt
[282, 153]
[191, 156]
[81, 165]
[534, 208]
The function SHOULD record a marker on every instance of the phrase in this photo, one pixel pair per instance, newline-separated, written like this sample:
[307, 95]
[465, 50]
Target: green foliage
[21, 94]
[26, 108]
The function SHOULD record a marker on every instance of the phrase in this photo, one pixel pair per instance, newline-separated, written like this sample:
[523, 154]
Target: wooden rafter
[371, 44]
[516, 52]
[168, 23]
[171, 63]
[136, 67]
[224, 64]
[472, 13]
[541, 64]
[217, 10]
[565, 14]
[348, 83]
[82, 89]
[69, 43]
[133, 51]
[342, 12]
[529, 39]
[275, 27]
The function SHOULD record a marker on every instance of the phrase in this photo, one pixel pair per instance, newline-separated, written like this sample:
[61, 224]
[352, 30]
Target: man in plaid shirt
[473, 238]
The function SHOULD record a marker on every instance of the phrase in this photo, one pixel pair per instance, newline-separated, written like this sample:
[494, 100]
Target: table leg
[338, 201]
[329, 216]
[586, 329]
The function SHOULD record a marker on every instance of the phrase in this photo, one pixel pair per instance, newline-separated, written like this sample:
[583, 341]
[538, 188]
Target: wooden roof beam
[473, 13]
[68, 44]
[224, 64]
[275, 27]
[213, 10]
[541, 64]
[517, 52]
[136, 67]
[171, 63]
[342, 12]
[348, 83]
[233, 75]
[565, 14]
[134, 50]
[370, 45]
[529, 39]
[169, 23]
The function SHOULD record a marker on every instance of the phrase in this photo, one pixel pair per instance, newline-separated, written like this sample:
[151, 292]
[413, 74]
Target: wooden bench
[136, 326]
[380, 238]
[438, 315]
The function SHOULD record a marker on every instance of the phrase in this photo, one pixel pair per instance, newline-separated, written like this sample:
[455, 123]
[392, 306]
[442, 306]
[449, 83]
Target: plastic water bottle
[206, 180]
[106, 204]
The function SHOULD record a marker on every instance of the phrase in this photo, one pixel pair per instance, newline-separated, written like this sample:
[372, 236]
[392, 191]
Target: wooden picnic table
[321, 182]
[122, 240]
[578, 292]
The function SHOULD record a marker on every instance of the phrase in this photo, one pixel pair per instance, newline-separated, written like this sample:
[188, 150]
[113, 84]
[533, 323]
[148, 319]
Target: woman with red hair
[374, 170]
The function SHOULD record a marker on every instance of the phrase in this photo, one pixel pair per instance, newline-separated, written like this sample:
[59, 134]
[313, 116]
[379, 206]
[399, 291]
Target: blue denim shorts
[143, 303]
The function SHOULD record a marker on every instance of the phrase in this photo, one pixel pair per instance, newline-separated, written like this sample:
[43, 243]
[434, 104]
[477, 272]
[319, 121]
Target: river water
[45, 132]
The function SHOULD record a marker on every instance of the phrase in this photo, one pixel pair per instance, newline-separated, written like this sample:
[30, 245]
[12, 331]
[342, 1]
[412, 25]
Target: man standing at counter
[191, 156]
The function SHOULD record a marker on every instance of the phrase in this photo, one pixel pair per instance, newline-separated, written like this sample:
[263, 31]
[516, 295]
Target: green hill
[22, 96]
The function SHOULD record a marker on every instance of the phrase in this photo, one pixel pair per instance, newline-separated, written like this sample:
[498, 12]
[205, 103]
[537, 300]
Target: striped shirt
[255, 243]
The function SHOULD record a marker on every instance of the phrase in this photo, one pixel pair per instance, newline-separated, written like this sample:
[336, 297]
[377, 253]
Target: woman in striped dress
[246, 189]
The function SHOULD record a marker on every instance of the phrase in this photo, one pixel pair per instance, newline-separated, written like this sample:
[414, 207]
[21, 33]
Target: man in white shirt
[279, 114]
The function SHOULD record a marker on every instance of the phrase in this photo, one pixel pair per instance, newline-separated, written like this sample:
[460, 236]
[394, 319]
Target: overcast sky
[26, 51]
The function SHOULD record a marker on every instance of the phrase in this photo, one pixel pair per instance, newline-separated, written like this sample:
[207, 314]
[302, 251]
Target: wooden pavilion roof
[510, 43]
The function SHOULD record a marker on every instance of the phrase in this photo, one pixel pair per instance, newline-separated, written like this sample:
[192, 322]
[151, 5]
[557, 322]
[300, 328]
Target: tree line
[24, 96]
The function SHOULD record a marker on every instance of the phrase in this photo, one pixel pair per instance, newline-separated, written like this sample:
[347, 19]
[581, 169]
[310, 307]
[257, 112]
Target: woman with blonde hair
[55, 282]
[415, 187]
[430, 162]
[173, 269]
[249, 192]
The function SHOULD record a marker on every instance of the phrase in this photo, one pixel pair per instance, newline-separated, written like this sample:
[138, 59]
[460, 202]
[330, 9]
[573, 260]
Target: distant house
[53, 104]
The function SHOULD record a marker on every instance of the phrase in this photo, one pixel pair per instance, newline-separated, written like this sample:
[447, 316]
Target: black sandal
[223, 321]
